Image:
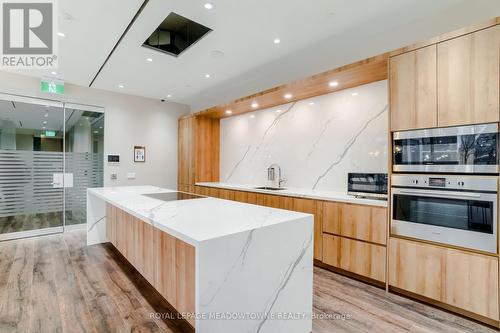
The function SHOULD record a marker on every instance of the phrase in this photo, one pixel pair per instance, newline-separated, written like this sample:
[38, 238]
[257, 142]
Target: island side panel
[265, 270]
[96, 220]
[166, 262]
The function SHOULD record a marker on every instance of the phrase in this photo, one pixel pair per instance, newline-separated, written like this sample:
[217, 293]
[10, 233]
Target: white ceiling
[316, 35]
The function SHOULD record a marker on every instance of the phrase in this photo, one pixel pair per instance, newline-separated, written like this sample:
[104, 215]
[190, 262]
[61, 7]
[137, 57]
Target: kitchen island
[225, 266]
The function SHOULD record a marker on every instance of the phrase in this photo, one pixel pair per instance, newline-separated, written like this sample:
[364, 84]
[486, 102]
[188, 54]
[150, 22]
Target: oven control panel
[475, 183]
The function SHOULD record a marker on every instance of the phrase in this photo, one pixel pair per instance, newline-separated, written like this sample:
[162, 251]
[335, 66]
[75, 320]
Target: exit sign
[51, 85]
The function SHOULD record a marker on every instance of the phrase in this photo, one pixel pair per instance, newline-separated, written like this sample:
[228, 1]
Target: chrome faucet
[271, 174]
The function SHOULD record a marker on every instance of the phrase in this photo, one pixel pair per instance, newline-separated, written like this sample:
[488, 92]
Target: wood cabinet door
[468, 78]
[358, 257]
[271, 200]
[462, 279]
[186, 151]
[313, 207]
[413, 89]
[206, 154]
[241, 196]
[363, 222]
[226, 194]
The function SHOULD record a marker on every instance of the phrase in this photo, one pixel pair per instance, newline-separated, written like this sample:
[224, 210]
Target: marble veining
[253, 263]
[316, 141]
[349, 144]
[284, 282]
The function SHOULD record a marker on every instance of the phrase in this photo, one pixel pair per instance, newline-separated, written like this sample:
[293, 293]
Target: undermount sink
[269, 188]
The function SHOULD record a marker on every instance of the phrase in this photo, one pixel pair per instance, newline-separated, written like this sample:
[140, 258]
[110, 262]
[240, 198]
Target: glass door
[84, 146]
[31, 167]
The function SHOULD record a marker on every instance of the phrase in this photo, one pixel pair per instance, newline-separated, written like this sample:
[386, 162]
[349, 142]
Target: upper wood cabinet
[413, 94]
[468, 78]
[198, 150]
[451, 83]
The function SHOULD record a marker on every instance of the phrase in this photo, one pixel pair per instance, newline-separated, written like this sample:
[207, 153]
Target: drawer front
[354, 256]
[462, 279]
[367, 223]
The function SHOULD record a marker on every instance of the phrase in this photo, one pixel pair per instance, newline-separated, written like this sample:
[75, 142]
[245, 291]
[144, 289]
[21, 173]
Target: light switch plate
[131, 175]
[114, 176]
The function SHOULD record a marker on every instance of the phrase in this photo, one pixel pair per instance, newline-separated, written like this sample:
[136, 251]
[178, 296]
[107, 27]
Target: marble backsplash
[316, 141]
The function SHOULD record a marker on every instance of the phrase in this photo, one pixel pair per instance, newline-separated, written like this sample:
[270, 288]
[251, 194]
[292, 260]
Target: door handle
[441, 194]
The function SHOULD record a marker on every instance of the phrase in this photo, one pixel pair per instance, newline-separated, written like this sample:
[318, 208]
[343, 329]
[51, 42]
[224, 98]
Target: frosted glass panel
[31, 152]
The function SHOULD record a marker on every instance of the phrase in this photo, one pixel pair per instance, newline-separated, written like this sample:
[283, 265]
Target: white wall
[129, 121]
[316, 141]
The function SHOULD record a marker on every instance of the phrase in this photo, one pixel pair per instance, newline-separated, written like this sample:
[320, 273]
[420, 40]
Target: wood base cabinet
[355, 256]
[461, 279]
[361, 222]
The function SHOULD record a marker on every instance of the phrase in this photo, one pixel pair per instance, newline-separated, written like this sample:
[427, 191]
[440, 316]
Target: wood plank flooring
[58, 284]
[29, 222]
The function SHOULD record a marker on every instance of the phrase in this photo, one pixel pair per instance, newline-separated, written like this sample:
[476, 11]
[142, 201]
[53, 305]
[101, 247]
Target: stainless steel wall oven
[454, 210]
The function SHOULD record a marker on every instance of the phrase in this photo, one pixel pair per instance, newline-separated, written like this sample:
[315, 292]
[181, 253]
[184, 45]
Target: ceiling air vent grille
[175, 34]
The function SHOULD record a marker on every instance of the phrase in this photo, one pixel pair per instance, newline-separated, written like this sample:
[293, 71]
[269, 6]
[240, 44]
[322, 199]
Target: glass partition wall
[50, 153]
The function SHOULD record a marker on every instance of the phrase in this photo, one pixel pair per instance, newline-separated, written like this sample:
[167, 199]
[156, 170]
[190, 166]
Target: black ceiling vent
[175, 34]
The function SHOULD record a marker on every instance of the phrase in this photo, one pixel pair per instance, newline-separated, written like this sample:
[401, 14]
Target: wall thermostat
[113, 158]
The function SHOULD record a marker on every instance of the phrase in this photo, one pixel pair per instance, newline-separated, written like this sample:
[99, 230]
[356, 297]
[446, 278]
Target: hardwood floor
[58, 284]
[29, 222]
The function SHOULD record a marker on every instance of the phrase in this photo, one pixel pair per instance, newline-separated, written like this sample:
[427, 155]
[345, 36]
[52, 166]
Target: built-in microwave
[368, 185]
[454, 210]
[462, 149]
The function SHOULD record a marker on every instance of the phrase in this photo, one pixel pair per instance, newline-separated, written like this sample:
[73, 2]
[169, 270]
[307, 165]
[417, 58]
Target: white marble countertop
[300, 193]
[196, 220]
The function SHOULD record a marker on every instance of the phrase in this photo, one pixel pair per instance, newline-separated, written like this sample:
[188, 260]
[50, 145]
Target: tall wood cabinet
[450, 83]
[198, 151]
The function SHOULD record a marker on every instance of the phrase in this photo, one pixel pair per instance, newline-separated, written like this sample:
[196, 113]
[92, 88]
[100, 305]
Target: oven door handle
[441, 194]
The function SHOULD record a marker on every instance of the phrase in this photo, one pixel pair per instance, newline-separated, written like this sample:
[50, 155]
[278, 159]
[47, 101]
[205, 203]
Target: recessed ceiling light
[208, 5]
[96, 132]
[149, 59]
[120, 86]
[43, 127]
[311, 103]
[53, 73]
[168, 96]
[61, 34]
[288, 96]
[46, 115]
[252, 116]
[255, 105]
[277, 41]
[207, 76]
[229, 111]
[278, 111]
[45, 122]
[355, 94]
[333, 83]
